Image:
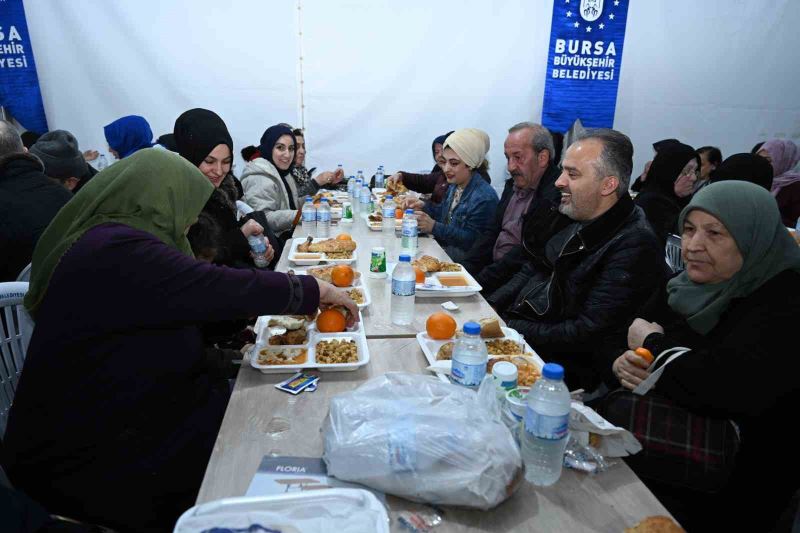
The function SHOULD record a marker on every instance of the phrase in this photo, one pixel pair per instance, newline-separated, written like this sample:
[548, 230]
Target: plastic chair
[16, 328]
[242, 209]
[25, 275]
[673, 251]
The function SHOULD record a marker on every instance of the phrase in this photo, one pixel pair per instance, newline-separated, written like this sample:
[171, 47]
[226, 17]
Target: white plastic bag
[419, 438]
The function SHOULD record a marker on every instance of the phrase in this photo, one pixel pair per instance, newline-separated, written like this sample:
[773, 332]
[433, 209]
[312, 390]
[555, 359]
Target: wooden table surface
[610, 501]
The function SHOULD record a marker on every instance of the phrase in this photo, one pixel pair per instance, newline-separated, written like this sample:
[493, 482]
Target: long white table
[610, 501]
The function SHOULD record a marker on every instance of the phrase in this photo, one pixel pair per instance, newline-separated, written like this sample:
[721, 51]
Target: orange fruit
[440, 326]
[645, 354]
[331, 321]
[342, 275]
[420, 275]
[398, 213]
[344, 237]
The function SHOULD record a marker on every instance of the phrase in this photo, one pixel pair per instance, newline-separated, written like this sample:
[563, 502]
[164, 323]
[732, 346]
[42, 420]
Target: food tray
[311, 362]
[431, 346]
[264, 332]
[432, 288]
[322, 257]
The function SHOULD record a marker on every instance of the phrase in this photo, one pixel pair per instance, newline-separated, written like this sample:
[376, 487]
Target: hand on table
[630, 369]
[330, 296]
[424, 222]
[639, 330]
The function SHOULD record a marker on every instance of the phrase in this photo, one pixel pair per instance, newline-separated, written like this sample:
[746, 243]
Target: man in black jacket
[582, 286]
[28, 202]
[529, 159]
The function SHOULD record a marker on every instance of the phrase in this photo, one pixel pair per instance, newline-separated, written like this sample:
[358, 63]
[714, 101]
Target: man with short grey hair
[586, 279]
[28, 202]
[530, 161]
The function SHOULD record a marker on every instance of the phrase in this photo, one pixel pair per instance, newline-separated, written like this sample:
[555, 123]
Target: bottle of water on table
[546, 427]
[309, 217]
[379, 179]
[469, 357]
[324, 219]
[360, 176]
[351, 183]
[410, 235]
[404, 282]
[365, 200]
[259, 248]
[388, 216]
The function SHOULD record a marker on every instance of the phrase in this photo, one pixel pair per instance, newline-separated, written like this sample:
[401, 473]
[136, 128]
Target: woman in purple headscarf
[783, 155]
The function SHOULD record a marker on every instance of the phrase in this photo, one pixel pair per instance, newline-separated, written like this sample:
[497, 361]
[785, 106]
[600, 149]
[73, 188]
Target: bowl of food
[518, 401]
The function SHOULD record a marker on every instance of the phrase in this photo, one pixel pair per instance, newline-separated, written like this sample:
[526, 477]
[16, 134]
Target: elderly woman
[783, 155]
[736, 306]
[127, 135]
[669, 185]
[117, 394]
[470, 202]
[203, 139]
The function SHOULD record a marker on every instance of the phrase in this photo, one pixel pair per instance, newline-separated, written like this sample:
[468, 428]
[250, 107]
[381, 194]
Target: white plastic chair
[25, 275]
[242, 209]
[673, 251]
[16, 328]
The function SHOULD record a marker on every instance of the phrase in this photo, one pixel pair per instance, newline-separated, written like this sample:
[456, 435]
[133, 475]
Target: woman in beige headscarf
[469, 203]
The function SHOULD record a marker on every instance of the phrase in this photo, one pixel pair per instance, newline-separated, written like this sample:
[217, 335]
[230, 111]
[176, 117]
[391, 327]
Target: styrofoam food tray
[431, 346]
[341, 510]
[323, 257]
[432, 288]
[311, 361]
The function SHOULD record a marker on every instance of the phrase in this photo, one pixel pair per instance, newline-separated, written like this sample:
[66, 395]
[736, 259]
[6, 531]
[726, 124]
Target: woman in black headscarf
[744, 167]
[202, 138]
[638, 183]
[669, 186]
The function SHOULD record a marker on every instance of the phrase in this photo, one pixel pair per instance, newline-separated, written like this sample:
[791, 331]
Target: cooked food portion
[284, 356]
[308, 257]
[357, 295]
[339, 255]
[656, 524]
[453, 281]
[287, 321]
[396, 188]
[449, 267]
[290, 338]
[445, 353]
[527, 371]
[377, 216]
[490, 328]
[326, 273]
[337, 351]
[504, 347]
[427, 263]
[327, 246]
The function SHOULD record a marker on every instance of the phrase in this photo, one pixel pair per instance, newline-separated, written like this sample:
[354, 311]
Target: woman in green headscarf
[736, 306]
[116, 393]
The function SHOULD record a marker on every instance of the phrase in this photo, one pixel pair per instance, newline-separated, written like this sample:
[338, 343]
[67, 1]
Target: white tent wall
[383, 78]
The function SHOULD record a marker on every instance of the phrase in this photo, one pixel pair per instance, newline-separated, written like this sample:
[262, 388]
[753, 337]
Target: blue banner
[583, 63]
[19, 84]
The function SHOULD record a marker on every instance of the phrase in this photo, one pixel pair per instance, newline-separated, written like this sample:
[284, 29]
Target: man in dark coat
[28, 202]
[527, 194]
[582, 286]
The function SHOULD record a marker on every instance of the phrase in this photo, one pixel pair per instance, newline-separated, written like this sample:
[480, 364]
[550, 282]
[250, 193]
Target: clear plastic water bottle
[379, 179]
[360, 176]
[309, 217]
[469, 357]
[410, 234]
[388, 216]
[338, 168]
[324, 219]
[365, 200]
[351, 183]
[546, 427]
[404, 283]
[357, 188]
[259, 248]
[102, 162]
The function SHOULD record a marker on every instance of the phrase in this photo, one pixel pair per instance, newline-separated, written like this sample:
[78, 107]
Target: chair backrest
[16, 328]
[243, 209]
[673, 251]
[25, 275]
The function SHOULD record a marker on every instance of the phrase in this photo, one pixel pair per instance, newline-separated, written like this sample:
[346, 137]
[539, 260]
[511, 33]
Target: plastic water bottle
[360, 176]
[404, 283]
[324, 219]
[259, 248]
[309, 217]
[379, 181]
[546, 427]
[408, 243]
[366, 199]
[338, 168]
[351, 183]
[469, 357]
[102, 162]
[388, 216]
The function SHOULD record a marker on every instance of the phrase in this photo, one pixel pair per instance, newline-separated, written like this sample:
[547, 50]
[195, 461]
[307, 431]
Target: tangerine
[342, 275]
[344, 237]
[645, 354]
[331, 321]
[420, 274]
[440, 326]
[398, 214]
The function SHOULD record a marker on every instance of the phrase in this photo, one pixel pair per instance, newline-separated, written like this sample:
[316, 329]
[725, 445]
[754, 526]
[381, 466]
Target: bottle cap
[405, 258]
[472, 328]
[505, 371]
[324, 200]
[308, 199]
[553, 371]
[389, 197]
[409, 211]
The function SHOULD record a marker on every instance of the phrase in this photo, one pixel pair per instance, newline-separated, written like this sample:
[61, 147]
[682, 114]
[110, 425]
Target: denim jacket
[472, 216]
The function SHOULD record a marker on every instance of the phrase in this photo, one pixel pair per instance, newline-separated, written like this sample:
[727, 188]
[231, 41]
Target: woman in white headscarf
[470, 202]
